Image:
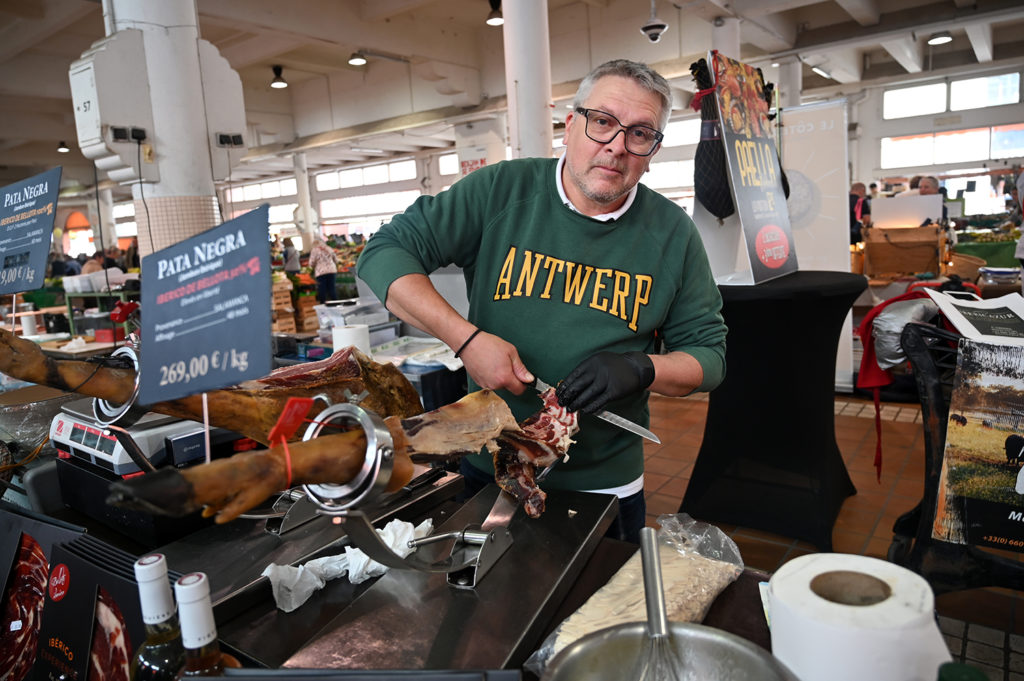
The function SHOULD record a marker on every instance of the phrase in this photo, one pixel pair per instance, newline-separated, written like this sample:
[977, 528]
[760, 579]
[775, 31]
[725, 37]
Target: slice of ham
[544, 439]
[23, 609]
[110, 656]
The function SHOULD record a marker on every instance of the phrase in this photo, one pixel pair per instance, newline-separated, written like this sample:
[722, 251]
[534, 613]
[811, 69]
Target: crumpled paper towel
[292, 586]
[77, 343]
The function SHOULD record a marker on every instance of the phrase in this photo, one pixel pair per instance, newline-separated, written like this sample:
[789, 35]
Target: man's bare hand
[494, 364]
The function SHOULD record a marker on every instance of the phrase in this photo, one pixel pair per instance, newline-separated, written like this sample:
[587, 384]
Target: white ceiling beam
[18, 35]
[864, 12]
[771, 33]
[846, 66]
[379, 10]
[258, 48]
[980, 36]
[907, 52]
[758, 8]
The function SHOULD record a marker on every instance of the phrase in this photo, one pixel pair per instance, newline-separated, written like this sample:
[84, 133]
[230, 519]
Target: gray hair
[641, 74]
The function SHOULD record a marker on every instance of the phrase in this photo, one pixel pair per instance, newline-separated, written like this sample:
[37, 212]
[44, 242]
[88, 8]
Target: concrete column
[528, 77]
[791, 79]
[725, 36]
[106, 221]
[306, 219]
[183, 203]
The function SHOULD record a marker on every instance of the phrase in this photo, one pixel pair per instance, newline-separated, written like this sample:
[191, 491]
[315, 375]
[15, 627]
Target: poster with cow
[981, 485]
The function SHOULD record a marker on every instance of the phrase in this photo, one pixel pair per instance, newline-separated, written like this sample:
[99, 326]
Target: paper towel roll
[352, 334]
[28, 325]
[839, 617]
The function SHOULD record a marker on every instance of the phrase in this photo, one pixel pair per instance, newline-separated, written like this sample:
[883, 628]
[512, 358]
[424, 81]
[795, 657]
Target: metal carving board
[233, 555]
[415, 620]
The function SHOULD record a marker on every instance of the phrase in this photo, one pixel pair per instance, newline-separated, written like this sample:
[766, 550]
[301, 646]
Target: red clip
[123, 310]
[291, 418]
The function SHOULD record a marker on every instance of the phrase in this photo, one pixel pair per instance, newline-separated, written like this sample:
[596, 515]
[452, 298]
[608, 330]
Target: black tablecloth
[769, 458]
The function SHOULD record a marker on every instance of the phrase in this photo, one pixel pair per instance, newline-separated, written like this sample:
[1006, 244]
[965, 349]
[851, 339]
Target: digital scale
[164, 440]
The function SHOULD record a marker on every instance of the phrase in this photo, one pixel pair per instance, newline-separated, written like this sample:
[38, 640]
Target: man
[860, 210]
[571, 268]
[873, 190]
[929, 186]
[94, 264]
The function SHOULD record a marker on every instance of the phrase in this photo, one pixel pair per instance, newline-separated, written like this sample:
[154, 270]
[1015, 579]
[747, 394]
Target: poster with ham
[89, 582]
[26, 541]
[755, 176]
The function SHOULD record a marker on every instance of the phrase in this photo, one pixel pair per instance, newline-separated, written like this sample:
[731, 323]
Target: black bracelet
[471, 337]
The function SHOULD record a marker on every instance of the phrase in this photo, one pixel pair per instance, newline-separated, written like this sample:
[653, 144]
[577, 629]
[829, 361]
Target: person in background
[571, 268]
[1019, 251]
[94, 264]
[72, 267]
[873, 190]
[131, 254]
[915, 182]
[291, 257]
[56, 266]
[928, 186]
[112, 258]
[860, 211]
[324, 264]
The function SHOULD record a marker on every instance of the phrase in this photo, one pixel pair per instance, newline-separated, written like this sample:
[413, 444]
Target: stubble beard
[601, 197]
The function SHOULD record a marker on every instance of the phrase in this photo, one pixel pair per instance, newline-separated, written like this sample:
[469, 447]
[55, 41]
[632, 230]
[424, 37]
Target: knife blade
[611, 418]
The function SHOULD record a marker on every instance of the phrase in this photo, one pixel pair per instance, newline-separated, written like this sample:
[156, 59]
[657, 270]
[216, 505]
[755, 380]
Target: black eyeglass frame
[658, 135]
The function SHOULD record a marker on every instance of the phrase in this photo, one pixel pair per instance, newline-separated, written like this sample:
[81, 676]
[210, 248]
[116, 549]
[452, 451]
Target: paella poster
[981, 485]
[754, 171]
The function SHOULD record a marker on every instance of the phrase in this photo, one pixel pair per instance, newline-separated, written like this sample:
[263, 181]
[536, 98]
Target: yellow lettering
[745, 151]
[574, 289]
[619, 294]
[552, 265]
[598, 286]
[501, 292]
[528, 275]
[642, 297]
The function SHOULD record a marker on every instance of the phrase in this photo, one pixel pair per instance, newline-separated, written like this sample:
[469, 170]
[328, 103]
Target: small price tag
[206, 311]
[27, 211]
[291, 418]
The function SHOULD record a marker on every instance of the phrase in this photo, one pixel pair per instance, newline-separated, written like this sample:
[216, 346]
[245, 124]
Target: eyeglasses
[602, 127]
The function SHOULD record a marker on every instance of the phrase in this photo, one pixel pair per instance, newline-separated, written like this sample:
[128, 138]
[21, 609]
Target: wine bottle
[161, 655]
[203, 656]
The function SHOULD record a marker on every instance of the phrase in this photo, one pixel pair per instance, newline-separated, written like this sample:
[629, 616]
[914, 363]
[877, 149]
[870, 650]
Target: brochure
[995, 320]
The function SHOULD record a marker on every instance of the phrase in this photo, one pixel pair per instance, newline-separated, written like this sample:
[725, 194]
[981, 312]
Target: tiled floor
[864, 526]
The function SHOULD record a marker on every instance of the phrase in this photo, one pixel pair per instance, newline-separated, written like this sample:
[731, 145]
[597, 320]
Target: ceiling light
[278, 81]
[940, 38]
[62, 148]
[357, 59]
[821, 72]
[495, 18]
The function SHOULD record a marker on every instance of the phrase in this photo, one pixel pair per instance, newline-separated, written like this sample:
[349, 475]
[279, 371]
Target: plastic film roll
[352, 334]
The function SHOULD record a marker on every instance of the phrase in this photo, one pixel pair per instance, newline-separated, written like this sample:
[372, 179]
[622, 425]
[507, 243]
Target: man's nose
[618, 145]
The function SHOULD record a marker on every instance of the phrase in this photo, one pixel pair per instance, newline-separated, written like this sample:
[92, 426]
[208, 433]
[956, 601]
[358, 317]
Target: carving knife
[611, 418]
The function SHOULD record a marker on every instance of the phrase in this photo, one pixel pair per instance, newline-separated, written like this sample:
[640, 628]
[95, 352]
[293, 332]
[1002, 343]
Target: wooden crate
[902, 250]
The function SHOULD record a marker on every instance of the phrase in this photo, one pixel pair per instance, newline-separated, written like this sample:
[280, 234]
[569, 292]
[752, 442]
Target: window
[281, 213]
[289, 187]
[252, 192]
[350, 178]
[402, 170]
[666, 174]
[124, 210]
[908, 151]
[961, 145]
[977, 93]
[1007, 141]
[325, 182]
[914, 101]
[679, 133]
[375, 174]
[448, 164]
[371, 204]
[270, 190]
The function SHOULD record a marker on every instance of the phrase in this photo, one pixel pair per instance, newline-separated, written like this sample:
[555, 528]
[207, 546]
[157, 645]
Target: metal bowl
[707, 654]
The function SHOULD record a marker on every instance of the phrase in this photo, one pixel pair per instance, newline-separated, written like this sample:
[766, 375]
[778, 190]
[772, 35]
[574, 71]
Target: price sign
[27, 211]
[206, 311]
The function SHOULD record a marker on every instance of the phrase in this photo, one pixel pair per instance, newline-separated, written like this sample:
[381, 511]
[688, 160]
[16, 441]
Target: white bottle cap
[155, 597]
[195, 613]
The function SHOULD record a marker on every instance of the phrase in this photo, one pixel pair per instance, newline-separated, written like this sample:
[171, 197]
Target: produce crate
[902, 250]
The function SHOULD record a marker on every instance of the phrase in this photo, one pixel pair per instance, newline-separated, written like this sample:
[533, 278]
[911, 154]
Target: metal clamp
[127, 413]
[475, 550]
[375, 473]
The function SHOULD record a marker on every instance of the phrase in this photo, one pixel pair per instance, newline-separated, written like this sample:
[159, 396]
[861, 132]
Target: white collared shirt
[603, 217]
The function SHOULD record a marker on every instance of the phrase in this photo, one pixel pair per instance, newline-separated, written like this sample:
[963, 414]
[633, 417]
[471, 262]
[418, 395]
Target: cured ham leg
[544, 439]
[229, 487]
[251, 408]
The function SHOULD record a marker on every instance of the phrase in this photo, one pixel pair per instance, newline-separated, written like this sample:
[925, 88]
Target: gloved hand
[604, 377]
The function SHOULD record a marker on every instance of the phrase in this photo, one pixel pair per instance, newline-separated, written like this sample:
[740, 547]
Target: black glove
[604, 377]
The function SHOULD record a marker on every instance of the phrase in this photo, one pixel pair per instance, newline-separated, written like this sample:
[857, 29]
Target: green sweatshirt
[561, 286]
